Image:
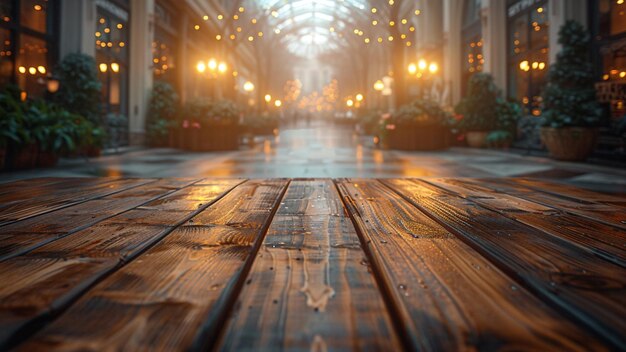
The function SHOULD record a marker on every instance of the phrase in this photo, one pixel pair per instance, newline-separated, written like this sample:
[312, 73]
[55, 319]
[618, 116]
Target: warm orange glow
[222, 67]
[103, 67]
[379, 85]
[278, 103]
[412, 68]
[268, 98]
[201, 67]
[115, 67]
[248, 86]
[359, 97]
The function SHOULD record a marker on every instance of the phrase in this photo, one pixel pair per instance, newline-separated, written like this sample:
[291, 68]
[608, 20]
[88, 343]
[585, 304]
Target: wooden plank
[45, 281]
[602, 240]
[448, 297]
[177, 294]
[571, 192]
[23, 236]
[604, 213]
[60, 197]
[308, 289]
[31, 188]
[591, 290]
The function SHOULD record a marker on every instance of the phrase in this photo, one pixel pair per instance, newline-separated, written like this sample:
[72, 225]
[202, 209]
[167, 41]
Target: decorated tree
[570, 98]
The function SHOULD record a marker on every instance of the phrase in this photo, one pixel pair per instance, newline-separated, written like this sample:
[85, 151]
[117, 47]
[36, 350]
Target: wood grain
[28, 203]
[448, 297]
[599, 212]
[604, 241]
[308, 288]
[23, 236]
[177, 294]
[571, 192]
[47, 280]
[581, 285]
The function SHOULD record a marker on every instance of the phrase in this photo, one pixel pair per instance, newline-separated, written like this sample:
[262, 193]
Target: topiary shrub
[79, 90]
[163, 107]
[570, 97]
[479, 107]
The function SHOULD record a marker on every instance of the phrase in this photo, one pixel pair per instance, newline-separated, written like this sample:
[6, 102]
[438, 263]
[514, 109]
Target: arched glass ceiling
[306, 24]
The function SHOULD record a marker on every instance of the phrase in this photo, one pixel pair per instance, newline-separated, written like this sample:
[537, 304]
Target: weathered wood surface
[49, 278]
[23, 236]
[308, 288]
[602, 240]
[176, 295]
[570, 278]
[433, 264]
[22, 204]
[449, 297]
[599, 212]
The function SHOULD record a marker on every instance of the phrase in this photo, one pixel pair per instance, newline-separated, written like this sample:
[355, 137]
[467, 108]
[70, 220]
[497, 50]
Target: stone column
[77, 27]
[494, 21]
[452, 59]
[140, 68]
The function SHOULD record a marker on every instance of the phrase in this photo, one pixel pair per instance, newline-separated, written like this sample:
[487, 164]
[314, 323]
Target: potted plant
[79, 87]
[10, 131]
[219, 128]
[162, 109]
[420, 125]
[189, 124]
[479, 109]
[571, 112]
[264, 124]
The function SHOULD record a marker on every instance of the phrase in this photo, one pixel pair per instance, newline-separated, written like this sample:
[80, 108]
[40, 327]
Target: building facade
[517, 40]
[134, 43]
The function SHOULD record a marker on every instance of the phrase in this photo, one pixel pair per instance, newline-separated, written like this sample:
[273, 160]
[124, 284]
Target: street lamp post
[425, 71]
[211, 69]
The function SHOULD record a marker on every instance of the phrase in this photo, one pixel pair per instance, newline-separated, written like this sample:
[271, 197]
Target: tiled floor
[327, 151]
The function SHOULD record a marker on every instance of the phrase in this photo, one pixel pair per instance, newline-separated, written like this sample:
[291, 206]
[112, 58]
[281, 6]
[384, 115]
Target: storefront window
[609, 28]
[6, 57]
[528, 53]
[612, 37]
[32, 65]
[33, 14]
[26, 45]
[111, 40]
[472, 42]
[164, 46]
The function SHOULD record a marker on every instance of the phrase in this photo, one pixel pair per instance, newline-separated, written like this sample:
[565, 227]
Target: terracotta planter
[569, 143]
[476, 139]
[47, 159]
[415, 137]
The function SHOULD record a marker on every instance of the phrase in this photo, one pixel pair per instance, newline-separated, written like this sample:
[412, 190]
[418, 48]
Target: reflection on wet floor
[326, 150]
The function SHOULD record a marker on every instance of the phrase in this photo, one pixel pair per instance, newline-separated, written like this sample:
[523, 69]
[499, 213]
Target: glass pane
[6, 57]
[539, 27]
[618, 18]
[33, 14]
[518, 42]
[32, 65]
[6, 11]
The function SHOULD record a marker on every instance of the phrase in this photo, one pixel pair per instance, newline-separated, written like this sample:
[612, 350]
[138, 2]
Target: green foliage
[509, 112]
[79, 90]
[570, 98]
[499, 136]
[162, 110]
[163, 104]
[206, 112]
[12, 115]
[224, 112]
[53, 128]
[422, 113]
[196, 109]
[479, 107]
